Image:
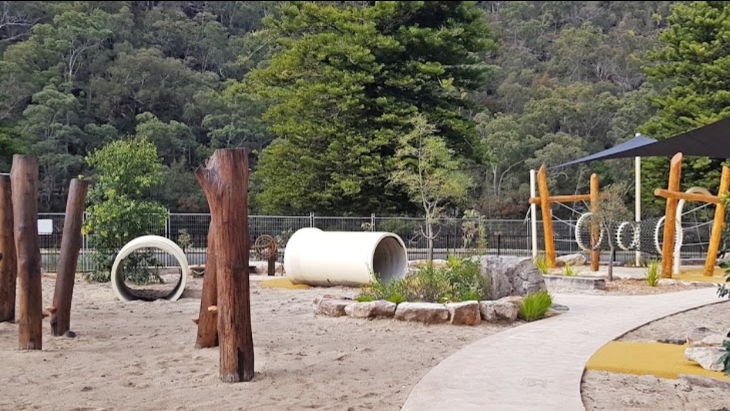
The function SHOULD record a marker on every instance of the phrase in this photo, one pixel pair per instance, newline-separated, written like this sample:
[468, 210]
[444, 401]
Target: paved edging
[539, 366]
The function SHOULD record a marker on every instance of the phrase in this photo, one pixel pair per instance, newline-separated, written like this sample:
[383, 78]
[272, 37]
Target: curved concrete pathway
[539, 366]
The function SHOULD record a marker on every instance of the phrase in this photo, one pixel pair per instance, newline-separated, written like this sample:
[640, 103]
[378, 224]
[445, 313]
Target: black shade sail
[712, 140]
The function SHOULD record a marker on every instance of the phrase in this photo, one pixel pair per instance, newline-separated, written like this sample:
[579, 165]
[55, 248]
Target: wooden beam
[224, 180]
[70, 248]
[595, 226]
[207, 320]
[562, 199]
[24, 187]
[8, 263]
[547, 219]
[670, 219]
[702, 198]
[718, 224]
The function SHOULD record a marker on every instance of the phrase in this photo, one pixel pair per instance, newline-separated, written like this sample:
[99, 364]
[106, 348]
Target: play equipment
[149, 241]
[265, 247]
[337, 258]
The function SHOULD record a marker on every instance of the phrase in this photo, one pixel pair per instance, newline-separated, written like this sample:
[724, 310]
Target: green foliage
[653, 273]
[460, 280]
[184, 240]
[344, 87]
[126, 170]
[725, 358]
[723, 290]
[569, 271]
[535, 305]
[541, 263]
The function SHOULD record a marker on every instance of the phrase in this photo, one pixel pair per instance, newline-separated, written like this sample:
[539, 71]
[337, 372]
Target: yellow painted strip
[698, 275]
[282, 283]
[645, 358]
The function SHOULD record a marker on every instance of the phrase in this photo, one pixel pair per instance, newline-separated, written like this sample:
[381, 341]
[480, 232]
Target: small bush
[541, 264]
[568, 271]
[536, 305]
[652, 273]
[460, 280]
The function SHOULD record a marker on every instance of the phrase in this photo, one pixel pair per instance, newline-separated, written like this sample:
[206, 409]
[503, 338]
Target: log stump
[208, 320]
[8, 262]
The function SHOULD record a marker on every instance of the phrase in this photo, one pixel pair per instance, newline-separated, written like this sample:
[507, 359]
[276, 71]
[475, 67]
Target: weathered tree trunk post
[224, 180]
[70, 247]
[718, 225]
[271, 268]
[24, 187]
[8, 262]
[547, 216]
[208, 320]
[670, 216]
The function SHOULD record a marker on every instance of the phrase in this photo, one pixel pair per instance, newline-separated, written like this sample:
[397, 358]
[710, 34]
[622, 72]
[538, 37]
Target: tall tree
[344, 86]
[691, 73]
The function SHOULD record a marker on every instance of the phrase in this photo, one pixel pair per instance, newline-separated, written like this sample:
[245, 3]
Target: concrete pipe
[353, 259]
[149, 241]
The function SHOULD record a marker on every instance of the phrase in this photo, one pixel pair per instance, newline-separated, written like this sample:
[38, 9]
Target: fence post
[167, 225]
[311, 219]
[372, 222]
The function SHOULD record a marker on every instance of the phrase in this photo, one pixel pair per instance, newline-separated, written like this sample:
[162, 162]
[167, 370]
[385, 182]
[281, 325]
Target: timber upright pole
[670, 219]
[595, 224]
[224, 180]
[547, 218]
[24, 182]
[718, 225]
[208, 319]
[70, 247]
[8, 262]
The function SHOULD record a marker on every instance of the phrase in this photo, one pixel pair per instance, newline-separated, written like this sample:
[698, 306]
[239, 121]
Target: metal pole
[533, 214]
[637, 200]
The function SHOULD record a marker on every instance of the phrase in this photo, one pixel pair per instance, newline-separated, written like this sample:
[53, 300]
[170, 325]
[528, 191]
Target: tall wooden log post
[70, 247]
[718, 224]
[208, 319]
[547, 216]
[595, 224]
[670, 219]
[224, 180]
[24, 187]
[8, 262]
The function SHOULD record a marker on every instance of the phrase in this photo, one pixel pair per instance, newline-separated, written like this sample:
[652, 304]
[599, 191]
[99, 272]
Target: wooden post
[271, 269]
[70, 247]
[224, 180]
[208, 320]
[24, 187]
[670, 219]
[595, 224]
[718, 224]
[8, 262]
[547, 218]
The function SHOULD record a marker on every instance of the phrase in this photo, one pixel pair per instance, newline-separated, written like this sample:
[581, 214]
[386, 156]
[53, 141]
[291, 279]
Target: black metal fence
[454, 236]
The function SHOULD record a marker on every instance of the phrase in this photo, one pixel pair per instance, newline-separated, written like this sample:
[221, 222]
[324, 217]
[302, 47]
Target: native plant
[541, 264]
[568, 270]
[652, 273]
[535, 305]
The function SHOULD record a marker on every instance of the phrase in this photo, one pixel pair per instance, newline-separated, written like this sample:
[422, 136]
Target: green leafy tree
[429, 173]
[691, 73]
[345, 84]
[125, 173]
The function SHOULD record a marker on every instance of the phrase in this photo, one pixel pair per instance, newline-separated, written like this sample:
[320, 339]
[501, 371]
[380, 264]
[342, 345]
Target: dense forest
[322, 93]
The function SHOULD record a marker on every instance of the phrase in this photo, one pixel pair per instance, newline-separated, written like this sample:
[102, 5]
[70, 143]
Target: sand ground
[141, 356]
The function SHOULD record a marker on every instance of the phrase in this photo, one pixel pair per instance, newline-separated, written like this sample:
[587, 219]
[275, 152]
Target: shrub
[541, 264]
[460, 280]
[568, 271]
[536, 305]
[652, 273]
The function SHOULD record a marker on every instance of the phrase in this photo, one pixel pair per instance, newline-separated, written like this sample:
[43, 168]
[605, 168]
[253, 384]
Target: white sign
[45, 227]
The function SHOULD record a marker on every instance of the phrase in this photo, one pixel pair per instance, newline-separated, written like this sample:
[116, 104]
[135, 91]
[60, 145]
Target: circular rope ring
[579, 226]
[636, 230]
[678, 236]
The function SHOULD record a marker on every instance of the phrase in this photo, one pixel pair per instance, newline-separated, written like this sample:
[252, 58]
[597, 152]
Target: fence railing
[453, 236]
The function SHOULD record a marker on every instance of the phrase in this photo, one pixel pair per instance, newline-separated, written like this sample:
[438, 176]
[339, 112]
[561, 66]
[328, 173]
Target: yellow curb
[647, 358]
[282, 283]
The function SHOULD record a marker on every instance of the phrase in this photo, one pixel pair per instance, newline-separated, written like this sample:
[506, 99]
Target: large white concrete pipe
[149, 241]
[338, 258]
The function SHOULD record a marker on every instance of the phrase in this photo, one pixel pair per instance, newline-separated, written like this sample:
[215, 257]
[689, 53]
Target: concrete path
[539, 366]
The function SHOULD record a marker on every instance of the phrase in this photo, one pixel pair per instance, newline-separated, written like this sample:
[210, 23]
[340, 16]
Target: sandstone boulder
[371, 309]
[464, 313]
[707, 357]
[573, 260]
[698, 334]
[511, 276]
[331, 307]
[428, 313]
[500, 310]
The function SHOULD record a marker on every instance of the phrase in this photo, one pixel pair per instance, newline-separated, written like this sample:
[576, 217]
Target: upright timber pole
[547, 218]
[8, 262]
[208, 319]
[595, 224]
[24, 187]
[718, 224]
[224, 180]
[70, 248]
[670, 219]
